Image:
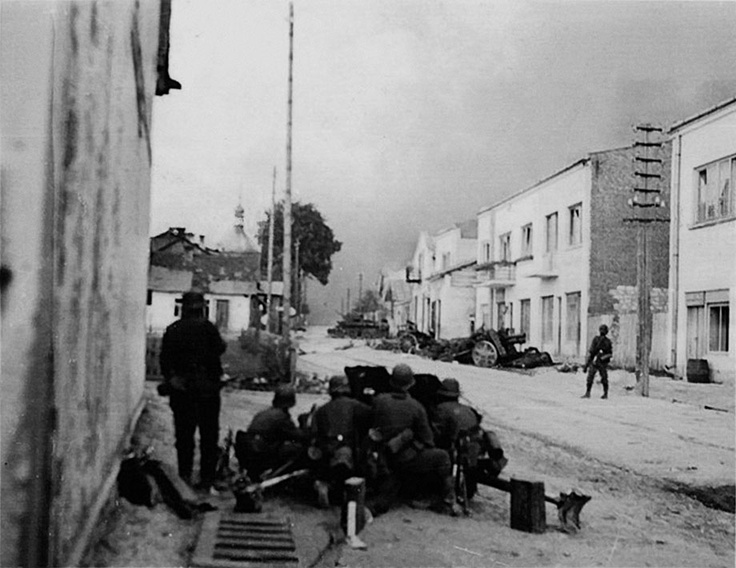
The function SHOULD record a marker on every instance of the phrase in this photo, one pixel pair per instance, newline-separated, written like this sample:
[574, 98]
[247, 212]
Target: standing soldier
[401, 422]
[338, 428]
[190, 364]
[599, 355]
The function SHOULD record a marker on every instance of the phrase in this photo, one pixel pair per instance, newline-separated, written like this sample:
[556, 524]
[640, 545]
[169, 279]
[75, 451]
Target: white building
[557, 259]
[703, 241]
[395, 295]
[442, 279]
[232, 306]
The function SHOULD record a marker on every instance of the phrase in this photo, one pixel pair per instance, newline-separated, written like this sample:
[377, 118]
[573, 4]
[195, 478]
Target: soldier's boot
[605, 388]
[448, 505]
[588, 387]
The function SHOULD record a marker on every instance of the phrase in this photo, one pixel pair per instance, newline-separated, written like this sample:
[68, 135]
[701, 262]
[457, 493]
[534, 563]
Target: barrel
[698, 371]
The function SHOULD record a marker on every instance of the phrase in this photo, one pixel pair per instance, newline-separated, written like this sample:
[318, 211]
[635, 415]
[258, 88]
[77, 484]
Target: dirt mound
[722, 497]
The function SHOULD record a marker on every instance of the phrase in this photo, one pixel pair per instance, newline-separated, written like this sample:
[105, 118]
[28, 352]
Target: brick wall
[613, 239]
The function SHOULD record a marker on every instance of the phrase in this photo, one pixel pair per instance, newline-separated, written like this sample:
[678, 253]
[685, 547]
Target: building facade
[703, 241]
[77, 91]
[559, 258]
[442, 285]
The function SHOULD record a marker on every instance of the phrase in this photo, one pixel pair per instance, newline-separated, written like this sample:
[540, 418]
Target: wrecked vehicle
[484, 348]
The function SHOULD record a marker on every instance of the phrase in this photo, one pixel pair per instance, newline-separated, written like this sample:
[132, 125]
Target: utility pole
[360, 291]
[286, 315]
[298, 283]
[647, 189]
[269, 298]
[349, 307]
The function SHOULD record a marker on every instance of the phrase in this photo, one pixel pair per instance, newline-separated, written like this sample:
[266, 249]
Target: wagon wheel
[408, 343]
[485, 354]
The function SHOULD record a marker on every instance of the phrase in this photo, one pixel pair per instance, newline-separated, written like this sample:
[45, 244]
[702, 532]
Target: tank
[356, 326]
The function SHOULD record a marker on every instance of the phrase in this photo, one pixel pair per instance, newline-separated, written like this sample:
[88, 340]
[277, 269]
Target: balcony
[546, 268]
[496, 274]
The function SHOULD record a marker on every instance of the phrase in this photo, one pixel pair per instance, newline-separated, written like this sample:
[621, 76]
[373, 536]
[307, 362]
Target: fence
[624, 333]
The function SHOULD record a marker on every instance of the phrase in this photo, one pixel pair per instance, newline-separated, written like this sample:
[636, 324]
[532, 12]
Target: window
[149, 298]
[525, 315]
[485, 315]
[548, 314]
[420, 265]
[551, 240]
[576, 231]
[715, 187]
[486, 252]
[718, 316]
[526, 240]
[177, 308]
[573, 318]
[222, 314]
[505, 248]
[445, 260]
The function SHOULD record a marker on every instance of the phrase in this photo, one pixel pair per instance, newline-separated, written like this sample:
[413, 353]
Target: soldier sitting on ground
[337, 427]
[457, 430]
[273, 438]
[412, 460]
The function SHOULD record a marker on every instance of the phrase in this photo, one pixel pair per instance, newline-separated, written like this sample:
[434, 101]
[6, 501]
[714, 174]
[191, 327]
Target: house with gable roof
[229, 276]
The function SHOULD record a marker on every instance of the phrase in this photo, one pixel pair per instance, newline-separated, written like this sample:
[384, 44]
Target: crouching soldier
[337, 430]
[273, 438]
[457, 430]
[411, 456]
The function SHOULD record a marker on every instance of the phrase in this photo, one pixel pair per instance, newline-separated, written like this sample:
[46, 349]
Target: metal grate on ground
[241, 540]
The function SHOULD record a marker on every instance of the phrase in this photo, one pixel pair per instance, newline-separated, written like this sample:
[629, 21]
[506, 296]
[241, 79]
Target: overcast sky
[412, 115]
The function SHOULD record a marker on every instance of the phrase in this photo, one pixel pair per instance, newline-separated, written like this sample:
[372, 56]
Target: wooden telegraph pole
[647, 188]
[286, 314]
[272, 220]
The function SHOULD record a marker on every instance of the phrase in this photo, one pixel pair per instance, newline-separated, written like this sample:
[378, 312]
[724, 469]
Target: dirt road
[626, 452]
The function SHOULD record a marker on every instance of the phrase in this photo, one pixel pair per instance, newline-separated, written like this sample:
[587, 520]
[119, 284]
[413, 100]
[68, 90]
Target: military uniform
[190, 363]
[410, 451]
[338, 429]
[599, 356]
[272, 439]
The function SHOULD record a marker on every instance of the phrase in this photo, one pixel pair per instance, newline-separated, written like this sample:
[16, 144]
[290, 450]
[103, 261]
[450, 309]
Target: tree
[369, 303]
[316, 240]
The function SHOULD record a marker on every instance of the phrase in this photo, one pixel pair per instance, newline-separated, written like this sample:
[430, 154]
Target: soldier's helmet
[450, 389]
[284, 396]
[402, 377]
[603, 329]
[339, 384]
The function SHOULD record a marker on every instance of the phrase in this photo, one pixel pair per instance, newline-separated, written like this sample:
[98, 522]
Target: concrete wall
[457, 307]
[702, 253]
[78, 80]
[623, 324]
